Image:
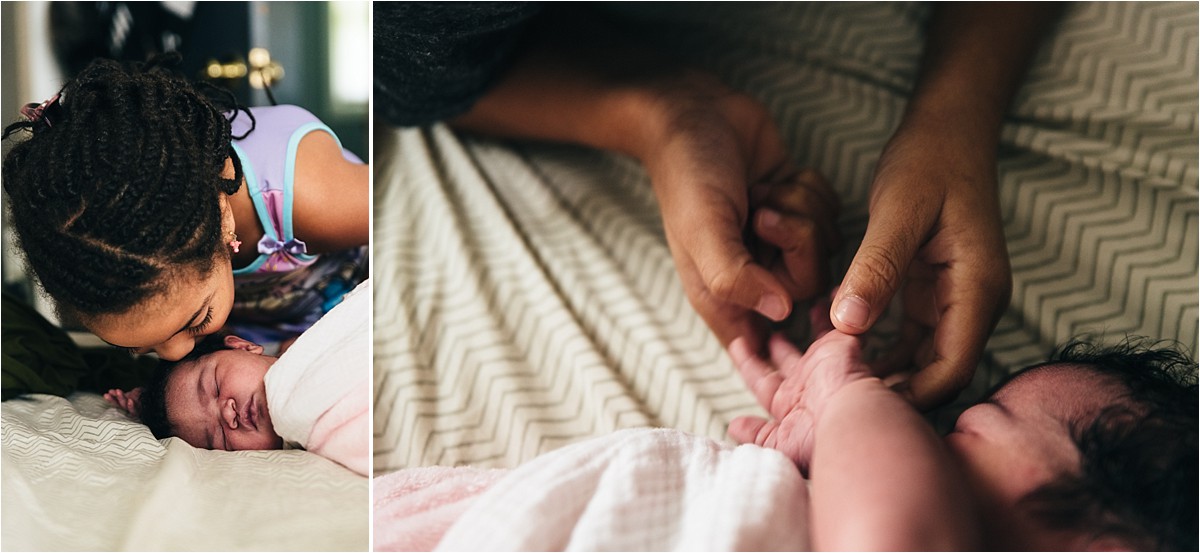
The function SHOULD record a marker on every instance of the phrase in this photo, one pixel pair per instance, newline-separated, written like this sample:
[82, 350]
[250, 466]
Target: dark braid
[116, 190]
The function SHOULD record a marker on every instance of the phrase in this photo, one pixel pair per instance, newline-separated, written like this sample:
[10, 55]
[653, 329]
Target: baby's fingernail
[770, 218]
[853, 311]
[773, 307]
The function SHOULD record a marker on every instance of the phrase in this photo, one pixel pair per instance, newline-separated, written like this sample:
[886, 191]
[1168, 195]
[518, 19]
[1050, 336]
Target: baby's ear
[235, 342]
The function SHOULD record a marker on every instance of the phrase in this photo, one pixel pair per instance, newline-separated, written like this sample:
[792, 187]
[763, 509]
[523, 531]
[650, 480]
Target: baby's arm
[881, 477]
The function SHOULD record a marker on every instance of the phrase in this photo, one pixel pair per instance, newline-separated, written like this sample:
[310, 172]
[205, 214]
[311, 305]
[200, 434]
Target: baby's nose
[229, 412]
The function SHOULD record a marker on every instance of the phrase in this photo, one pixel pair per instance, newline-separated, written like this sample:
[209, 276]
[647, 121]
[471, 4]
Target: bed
[79, 475]
[526, 298]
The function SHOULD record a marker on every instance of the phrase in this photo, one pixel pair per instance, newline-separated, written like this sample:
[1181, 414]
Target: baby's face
[219, 401]
[1019, 438]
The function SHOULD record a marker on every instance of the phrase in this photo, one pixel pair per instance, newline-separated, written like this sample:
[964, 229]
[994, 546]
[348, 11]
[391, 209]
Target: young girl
[128, 201]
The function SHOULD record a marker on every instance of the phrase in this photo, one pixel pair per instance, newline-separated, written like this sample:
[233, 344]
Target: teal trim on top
[260, 208]
[289, 174]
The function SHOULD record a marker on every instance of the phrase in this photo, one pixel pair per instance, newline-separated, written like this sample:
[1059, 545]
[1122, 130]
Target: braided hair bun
[117, 187]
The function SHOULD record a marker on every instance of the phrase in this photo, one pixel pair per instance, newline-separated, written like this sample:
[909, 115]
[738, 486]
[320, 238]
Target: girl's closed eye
[197, 329]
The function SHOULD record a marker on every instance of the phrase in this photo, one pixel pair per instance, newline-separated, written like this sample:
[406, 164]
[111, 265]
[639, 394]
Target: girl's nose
[176, 347]
[229, 413]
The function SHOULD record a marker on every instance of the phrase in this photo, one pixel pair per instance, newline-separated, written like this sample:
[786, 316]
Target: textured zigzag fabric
[526, 298]
[78, 475]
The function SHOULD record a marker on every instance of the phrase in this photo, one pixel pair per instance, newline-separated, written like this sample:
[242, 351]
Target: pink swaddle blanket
[319, 391]
[632, 490]
[414, 507]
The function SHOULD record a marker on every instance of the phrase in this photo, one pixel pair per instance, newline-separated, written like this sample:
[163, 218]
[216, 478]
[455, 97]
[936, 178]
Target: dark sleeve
[434, 60]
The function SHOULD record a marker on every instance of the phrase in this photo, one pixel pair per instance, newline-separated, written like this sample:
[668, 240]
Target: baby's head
[214, 398]
[1096, 448]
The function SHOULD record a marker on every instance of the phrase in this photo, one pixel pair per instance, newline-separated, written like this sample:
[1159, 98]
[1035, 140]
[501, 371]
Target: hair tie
[41, 112]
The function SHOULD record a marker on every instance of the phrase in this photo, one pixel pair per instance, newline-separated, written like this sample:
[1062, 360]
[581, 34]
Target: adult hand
[704, 147]
[794, 387]
[934, 234]
[935, 230]
[719, 156]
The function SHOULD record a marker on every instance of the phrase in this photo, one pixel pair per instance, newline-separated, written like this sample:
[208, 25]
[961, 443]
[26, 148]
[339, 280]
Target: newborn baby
[227, 395]
[215, 398]
[1094, 449]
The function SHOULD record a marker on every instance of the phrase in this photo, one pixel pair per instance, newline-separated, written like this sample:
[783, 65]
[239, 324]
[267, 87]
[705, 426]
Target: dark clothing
[433, 61]
[40, 358]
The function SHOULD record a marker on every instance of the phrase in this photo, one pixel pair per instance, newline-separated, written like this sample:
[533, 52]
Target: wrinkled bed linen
[318, 391]
[79, 475]
[633, 490]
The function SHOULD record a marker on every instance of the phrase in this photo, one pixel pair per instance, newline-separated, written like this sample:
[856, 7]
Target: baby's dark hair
[117, 186]
[1138, 477]
[152, 410]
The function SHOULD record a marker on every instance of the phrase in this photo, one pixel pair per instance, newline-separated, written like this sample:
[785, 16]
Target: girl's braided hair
[116, 190]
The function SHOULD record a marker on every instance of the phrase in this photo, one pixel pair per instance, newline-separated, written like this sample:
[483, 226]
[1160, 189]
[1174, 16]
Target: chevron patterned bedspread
[526, 298]
[78, 475]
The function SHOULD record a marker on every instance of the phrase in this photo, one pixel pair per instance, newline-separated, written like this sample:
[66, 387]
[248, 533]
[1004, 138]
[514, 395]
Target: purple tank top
[285, 289]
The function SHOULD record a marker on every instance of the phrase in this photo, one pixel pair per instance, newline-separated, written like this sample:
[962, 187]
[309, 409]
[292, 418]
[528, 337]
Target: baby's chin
[268, 440]
[263, 440]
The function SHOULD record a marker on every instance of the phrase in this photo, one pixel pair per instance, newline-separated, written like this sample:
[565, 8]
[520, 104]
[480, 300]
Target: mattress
[526, 298]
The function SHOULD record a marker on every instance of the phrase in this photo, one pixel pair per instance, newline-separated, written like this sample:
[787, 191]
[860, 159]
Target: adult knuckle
[722, 283]
[877, 266]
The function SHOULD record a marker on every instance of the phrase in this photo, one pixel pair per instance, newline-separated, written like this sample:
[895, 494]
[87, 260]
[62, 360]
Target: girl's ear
[228, 223]
[234, 342]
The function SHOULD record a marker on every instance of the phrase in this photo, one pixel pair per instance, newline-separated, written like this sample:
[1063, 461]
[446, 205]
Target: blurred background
[312, 54]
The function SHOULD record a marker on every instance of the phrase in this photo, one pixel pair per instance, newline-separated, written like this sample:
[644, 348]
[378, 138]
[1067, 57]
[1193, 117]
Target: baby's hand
[794, 387]
[129, 401]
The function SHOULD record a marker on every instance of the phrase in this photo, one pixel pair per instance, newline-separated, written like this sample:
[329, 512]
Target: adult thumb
[875, 274]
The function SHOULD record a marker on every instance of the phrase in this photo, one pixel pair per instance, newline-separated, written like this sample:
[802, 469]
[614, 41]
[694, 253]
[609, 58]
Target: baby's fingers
[753, 430]
[761, 378]
[115, 397]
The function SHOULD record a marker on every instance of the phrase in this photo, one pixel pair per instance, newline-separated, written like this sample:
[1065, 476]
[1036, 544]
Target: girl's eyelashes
[194, 330]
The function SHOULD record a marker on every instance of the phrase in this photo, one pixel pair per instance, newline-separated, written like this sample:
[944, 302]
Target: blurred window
[350, 53]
